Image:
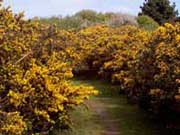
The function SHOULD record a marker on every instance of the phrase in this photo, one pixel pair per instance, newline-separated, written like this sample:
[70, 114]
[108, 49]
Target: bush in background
[119, 19]
[86, 18]
[147, 23]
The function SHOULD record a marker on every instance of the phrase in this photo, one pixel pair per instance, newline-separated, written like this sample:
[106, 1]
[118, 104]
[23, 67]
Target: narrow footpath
[110, 114]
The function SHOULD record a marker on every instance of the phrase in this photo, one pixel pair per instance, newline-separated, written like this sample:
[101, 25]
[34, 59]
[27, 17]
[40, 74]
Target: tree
[160, 10]
[88, 15]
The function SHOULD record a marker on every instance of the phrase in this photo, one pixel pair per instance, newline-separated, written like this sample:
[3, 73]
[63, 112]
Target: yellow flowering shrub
[35, 67]
[101, 43]
[160, 67]
[113, 52]
[43, 95]
[66, 44]
[11, 123]
[37, 62]
[122, 66]
[145, 64]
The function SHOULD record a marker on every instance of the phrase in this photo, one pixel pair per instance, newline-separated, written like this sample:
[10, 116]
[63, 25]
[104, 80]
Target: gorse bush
[92, 41]
[145, 64]
[11, 123]
[101, 43]
[123, 64]
[35, 91]
[160, 67]
[37, 61]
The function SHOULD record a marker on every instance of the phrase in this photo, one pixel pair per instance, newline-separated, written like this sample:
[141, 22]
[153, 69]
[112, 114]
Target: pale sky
[46, 8]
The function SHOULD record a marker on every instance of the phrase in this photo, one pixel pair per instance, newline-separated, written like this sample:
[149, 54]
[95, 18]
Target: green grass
[84, 123]
[128, 119]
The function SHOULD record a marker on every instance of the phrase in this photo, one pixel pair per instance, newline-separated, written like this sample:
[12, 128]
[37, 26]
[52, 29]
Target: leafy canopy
[160, 10]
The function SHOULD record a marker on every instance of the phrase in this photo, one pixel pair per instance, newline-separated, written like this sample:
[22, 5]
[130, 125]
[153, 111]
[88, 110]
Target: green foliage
[67, 23]
[160, 10]
[88, 15]
[147, 23]
[86, 18]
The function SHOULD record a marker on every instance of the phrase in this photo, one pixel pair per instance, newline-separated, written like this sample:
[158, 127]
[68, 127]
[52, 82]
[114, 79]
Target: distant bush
[86, 18]
[147, 22]
[119, 19]
[66, 23]
[88, 15]
[69, 22]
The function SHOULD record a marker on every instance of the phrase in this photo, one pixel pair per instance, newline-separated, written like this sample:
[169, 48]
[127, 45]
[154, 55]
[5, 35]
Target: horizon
[49, 8]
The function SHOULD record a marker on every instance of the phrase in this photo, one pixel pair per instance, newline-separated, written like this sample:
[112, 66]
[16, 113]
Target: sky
[47, 8]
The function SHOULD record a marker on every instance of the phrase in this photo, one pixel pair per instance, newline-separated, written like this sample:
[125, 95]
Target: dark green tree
[160, 10]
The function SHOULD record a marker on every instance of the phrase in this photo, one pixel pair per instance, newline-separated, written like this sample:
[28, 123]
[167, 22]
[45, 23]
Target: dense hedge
[36, 63]
[35, 91]
[145, 64]
[160, 68]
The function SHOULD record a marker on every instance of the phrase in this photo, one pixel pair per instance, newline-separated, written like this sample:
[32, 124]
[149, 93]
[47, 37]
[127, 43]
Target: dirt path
[106, 120]
[110, 114]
